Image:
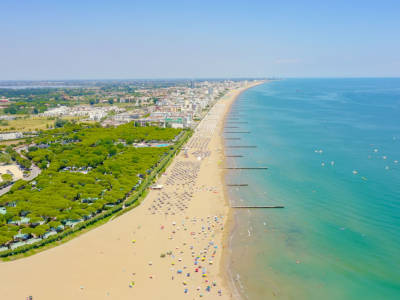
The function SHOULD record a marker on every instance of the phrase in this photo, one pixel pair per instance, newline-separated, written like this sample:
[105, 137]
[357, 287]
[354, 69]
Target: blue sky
[175, 39]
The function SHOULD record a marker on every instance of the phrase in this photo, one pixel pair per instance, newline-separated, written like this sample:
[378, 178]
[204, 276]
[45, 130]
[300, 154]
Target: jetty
[241, 146]
[247, 168]
[258, 206]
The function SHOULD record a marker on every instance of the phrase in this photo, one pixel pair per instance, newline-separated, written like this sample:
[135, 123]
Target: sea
[332, 149]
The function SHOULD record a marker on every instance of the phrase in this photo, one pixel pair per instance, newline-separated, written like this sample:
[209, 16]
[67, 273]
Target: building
[11, 136]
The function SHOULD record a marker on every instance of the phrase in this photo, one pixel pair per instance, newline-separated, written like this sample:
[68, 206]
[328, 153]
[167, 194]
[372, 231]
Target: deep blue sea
[332, 147]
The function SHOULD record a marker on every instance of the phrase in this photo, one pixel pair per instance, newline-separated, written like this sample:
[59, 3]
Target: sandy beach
[169, 247]
[13, 169]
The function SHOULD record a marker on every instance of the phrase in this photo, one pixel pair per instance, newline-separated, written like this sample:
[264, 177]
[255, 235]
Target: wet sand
[169, 247]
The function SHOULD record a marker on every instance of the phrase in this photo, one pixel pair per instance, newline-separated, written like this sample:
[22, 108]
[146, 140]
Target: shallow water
[332, 147]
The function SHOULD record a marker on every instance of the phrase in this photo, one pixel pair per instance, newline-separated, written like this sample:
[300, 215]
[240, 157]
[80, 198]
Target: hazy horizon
[195, 79]
[97, 40]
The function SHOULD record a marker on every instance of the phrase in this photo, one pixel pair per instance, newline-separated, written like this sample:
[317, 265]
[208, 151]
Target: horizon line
[201, 78]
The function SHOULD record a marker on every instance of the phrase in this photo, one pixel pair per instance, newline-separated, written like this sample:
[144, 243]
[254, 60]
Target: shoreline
[127, 257]
[230, 223]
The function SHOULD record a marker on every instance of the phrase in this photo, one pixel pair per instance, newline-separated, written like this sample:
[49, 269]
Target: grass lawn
[30, 123]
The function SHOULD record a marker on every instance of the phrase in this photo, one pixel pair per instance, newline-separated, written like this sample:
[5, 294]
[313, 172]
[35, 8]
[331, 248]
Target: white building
[10, 136]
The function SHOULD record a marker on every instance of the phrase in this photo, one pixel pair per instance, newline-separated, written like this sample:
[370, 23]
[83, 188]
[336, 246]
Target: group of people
[192, 234]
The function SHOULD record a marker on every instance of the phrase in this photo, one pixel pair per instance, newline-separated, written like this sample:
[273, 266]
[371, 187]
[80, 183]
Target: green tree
[6, 177]
[60, 123]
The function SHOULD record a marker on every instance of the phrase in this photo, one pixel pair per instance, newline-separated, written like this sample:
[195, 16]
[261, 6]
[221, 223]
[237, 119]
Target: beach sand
[14, 169]
[186, 221]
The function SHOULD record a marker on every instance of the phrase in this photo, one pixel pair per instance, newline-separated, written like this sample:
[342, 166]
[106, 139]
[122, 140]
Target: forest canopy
[86, 169]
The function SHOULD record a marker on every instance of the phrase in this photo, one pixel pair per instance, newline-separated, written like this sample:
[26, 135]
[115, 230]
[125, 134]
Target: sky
[198, 39]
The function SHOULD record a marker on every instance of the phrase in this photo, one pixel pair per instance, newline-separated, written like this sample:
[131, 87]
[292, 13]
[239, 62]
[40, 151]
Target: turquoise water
[338, 236]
